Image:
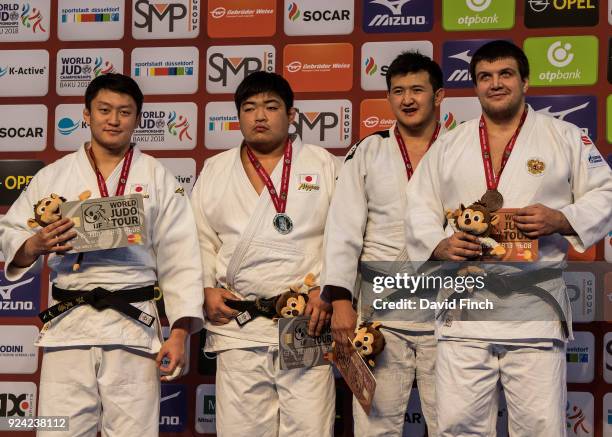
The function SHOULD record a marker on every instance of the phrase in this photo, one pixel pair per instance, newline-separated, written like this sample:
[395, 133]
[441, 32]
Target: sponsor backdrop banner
[190, 55]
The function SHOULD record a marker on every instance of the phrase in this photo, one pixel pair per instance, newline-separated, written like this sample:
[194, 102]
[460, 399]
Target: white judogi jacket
[576, 181]
[170, 254]
[366, 220]
[240, 248]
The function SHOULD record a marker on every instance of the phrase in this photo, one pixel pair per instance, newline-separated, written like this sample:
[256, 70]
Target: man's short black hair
[264, 82]
[118, 83]
[500, 49]
[413, 62]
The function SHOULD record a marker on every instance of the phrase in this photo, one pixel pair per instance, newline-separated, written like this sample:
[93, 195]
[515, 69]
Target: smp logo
[20, 298]
[575, 109]
[173, 408]
[581, 292]
[324, 122]
[456, 57]
[397, 16]
[177, 19]
[229, 65]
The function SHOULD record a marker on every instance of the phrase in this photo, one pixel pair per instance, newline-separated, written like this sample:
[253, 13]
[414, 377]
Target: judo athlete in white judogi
[260, 210]
[562, 188]
[101, 359]
[366, 222]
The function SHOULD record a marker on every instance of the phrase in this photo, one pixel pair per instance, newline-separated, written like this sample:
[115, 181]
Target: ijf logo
[319, 17]
[205, 409]
[323, 122]
[222, 129]
[17, 399]
[318, 67]
[24, 20]
[24, 73]
[397, 16]
[376, 115]
[166, 70]
[561, 13]
[71, 130]
[81, 22]
[167, 126]
[477, 14]
[184, 170]
[23, 128]
[581, 292]
[376, 57]
[456, 110]
[580, 358]
[154, 19]
[173, 408]
[17, 351]
[241, 18]
[569, 60]
[575, 109]
[456, 58]
[227, 66]
[77, 67]
[579, 414]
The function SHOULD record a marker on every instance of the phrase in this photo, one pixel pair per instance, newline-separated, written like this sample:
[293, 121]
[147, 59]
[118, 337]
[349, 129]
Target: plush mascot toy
[479, 221]
[47, 211]
[369, 342]
[292, 303]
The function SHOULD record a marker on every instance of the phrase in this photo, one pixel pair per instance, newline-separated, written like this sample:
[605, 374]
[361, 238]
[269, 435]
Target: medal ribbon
[125, 171]
[492, 180]
[279, 200]
[404, 151]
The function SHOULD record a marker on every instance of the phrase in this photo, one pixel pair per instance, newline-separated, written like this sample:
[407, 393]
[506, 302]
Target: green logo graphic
[562, 60]
[609, 118]
[477, 14]
[209, 404]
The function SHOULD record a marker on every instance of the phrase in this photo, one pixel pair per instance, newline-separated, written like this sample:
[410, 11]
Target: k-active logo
[67, 125]
[229, 65]
[24, 73]
[172, 19]
[456, 57]
[477, 14]
[20, 298]
[561, 13]
[397, 16]
[575, 109]
[173, 408]
[319, 17]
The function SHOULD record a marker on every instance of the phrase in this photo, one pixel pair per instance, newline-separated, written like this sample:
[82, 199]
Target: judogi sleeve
[591, 212]
[14, 229]
[177, 255]
[207, 237]
[346, 221]
[425, 217]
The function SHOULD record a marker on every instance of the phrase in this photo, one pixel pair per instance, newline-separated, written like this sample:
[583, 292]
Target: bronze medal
[493, 200]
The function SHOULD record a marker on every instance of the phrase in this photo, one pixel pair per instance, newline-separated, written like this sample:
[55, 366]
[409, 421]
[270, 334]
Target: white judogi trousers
[79, 382]
[406, 355]
[534, 382]
[257, 399]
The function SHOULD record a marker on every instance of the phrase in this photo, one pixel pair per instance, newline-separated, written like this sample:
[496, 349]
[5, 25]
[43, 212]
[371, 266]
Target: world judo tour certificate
[297, 349]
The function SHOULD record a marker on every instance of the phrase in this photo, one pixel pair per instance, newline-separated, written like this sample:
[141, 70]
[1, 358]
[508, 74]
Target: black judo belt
[250, 309]
[100, 299]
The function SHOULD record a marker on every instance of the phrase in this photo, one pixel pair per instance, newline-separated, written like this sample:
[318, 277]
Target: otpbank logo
[376, 57]
[318, 67]
[575, 109]
[77, 67]
[241, 18]
[562, 60]
[397, 16]
[166, 70]
[87, 21]
[478, 14]
[374, 115]
[24, 20]
[227, 66]
[319, 17]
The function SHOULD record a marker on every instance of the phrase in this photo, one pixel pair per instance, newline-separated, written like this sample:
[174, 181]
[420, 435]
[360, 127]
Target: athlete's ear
[525, 85]
[438, 97]
[291, 114]
[86, 115]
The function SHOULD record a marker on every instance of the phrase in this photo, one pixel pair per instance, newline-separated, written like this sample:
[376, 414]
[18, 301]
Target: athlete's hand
[51, 238]
[174, 350]
[319, 312]
[343, 323]
[538, 221]
[458, 247]
[214, 305]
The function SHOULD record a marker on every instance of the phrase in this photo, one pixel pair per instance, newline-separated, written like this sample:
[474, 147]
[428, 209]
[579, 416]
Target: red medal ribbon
[492, 180]
[125, 171]
[404, 151]
[279, 200]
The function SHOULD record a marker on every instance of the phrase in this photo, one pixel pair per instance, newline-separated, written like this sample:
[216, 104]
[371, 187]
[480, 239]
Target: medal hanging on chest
[492, 198]
[404, 150]
[281, 221]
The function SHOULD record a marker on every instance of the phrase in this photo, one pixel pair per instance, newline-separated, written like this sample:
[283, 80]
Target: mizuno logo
[561, 114]
[5, 291]
[172, 396]
[463, 56]
[395, 6]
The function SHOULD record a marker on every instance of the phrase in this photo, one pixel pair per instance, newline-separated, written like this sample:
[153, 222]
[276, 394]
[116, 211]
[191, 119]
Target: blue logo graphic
[66, 126]
[3, 71]
[173, 408]
[456, 57]
[20, 298]
[397, 16]
[578, 110]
